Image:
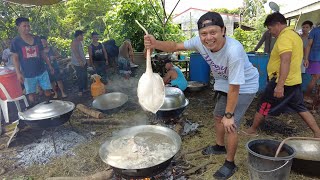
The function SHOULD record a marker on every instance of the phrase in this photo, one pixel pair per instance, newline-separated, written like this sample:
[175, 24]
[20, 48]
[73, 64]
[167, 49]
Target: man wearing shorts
[283, 92]
[236, 80]
[28, 55]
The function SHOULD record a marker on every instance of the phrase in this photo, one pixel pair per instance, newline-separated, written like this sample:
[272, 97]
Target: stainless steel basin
[174, 99]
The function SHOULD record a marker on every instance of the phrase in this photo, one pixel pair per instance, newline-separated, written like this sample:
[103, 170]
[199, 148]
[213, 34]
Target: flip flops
[224, 172]
[210, 150]
[307, 100]
[248, 134]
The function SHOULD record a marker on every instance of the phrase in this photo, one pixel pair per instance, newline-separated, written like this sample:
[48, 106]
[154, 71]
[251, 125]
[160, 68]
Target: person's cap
[167, 61]
[214, 17]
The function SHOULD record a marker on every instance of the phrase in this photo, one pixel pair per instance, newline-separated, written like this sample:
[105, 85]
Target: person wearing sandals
[312, 62]
[29, 60]
[55, 78]
[98, 57]
[236, 80]
[79, 61]
[283, 92]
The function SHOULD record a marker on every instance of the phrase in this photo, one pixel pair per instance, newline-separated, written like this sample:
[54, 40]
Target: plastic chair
[4, 103]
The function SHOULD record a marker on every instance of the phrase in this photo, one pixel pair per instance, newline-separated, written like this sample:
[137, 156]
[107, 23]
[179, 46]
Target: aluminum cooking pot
[48, 114]
[174, 99]
[174, 103]
[143, 142]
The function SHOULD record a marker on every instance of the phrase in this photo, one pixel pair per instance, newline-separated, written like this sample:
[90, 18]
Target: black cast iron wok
[47, 114]
[111, 151]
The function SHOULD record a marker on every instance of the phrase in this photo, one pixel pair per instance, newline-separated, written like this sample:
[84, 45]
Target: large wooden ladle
[151, 89]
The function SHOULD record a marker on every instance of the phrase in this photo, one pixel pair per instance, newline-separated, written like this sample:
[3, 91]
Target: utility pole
[190, 25]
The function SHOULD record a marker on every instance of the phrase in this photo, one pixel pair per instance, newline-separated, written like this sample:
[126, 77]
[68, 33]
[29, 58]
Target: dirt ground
[86, 160]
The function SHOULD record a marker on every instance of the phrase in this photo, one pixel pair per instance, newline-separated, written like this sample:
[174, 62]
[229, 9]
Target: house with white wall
[309, 10]
[188, 21]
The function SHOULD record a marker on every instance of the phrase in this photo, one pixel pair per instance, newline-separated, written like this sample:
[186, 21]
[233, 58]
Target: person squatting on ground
[174, 76]
[124, 59]
[79, 61]
[56, 77]
[235, 78]
[283, 92]
[28, 58]
[98, 57]
[312, 61]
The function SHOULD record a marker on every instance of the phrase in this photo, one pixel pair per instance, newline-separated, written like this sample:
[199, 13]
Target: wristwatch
[228, 115]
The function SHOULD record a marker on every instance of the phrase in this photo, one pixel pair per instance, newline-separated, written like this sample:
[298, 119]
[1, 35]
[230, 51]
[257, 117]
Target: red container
[12, 85]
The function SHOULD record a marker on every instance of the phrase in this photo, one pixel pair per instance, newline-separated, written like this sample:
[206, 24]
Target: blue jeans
[82, 76]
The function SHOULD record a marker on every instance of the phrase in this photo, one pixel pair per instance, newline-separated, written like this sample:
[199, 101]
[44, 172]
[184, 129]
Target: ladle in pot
[290, 138]
[150, 91]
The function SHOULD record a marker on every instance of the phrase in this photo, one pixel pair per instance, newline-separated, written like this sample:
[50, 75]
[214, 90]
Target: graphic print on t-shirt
[221, 70]
[30, 52]
[98, 51]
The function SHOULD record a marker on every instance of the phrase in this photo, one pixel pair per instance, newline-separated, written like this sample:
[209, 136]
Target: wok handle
[20, 114]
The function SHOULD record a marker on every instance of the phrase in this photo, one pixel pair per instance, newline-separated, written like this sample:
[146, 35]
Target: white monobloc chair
[4, 103]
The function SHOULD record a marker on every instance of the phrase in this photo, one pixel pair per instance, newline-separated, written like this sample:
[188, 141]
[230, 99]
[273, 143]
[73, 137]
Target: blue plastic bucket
[199, 69]
[260, 61]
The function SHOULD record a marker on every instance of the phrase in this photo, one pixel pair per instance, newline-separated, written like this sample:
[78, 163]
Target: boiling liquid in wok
[142, 150]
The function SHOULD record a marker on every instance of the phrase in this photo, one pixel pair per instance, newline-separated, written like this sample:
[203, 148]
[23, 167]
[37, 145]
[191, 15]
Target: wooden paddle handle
[90, 112]
[289, 138]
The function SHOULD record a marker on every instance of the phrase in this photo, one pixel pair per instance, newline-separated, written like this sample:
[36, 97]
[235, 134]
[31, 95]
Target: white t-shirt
[230, 65]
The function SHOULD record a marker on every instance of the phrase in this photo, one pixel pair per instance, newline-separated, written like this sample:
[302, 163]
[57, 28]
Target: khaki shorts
[244, 101]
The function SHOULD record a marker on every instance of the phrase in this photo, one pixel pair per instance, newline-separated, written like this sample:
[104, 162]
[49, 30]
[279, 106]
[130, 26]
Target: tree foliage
[110, 18]
[127, 11]
[227, 11]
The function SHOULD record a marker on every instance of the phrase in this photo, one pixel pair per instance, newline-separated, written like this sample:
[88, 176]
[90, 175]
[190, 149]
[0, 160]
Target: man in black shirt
[98, 57]
[28, 55]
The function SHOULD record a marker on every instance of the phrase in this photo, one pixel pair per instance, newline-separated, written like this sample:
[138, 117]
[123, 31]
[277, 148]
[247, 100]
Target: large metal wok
[307, 159]
[47, 114]
[110, 101]
[123, 152]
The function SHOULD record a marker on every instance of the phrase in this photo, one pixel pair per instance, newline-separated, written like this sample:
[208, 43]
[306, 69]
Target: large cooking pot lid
[47, 110]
